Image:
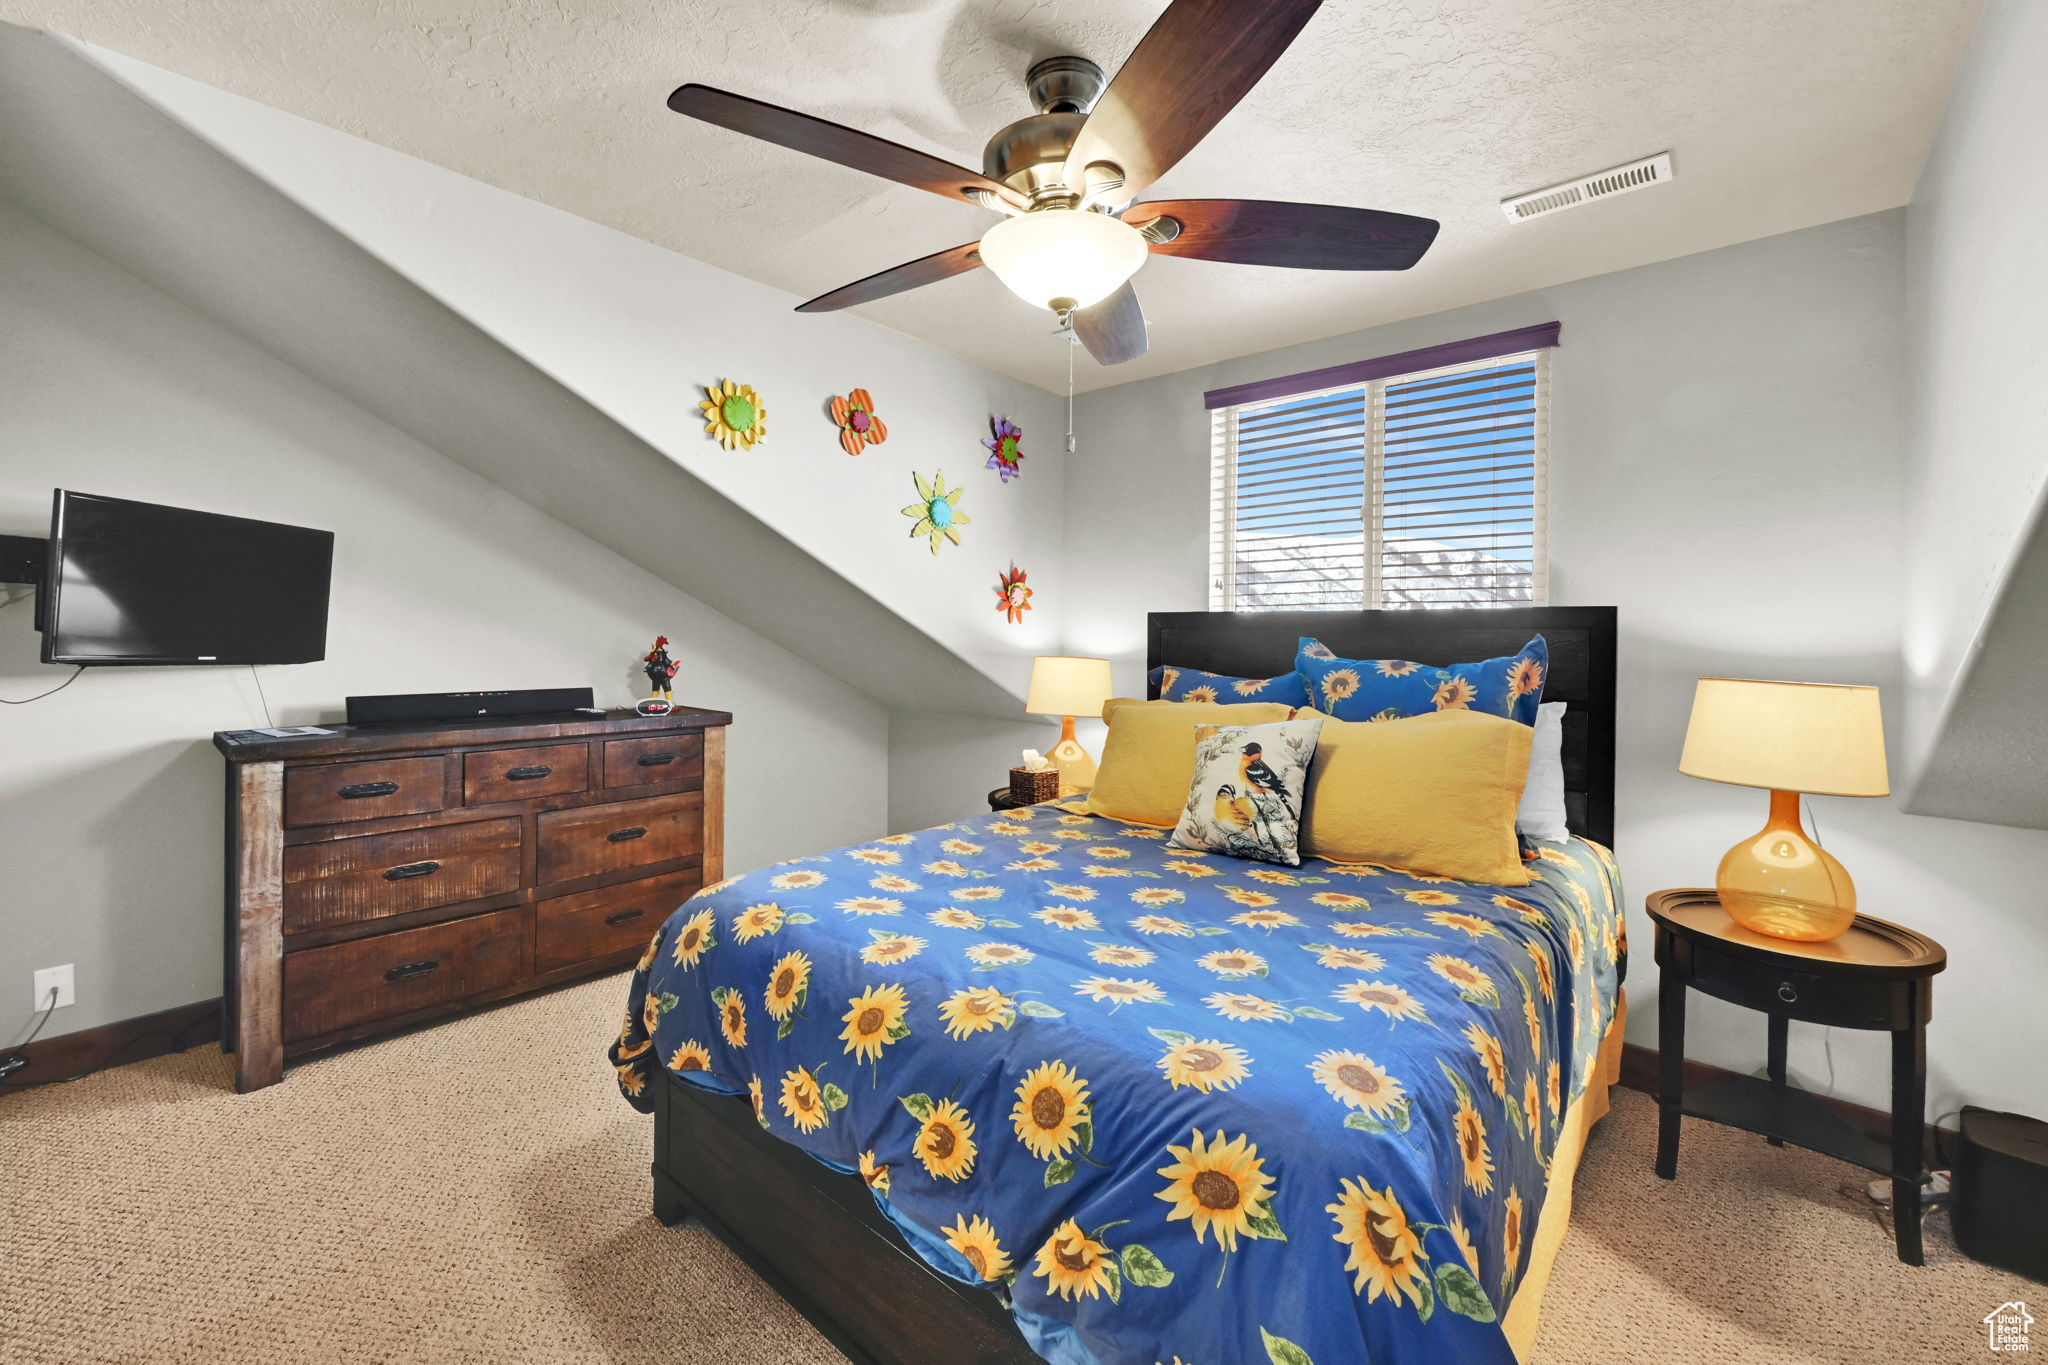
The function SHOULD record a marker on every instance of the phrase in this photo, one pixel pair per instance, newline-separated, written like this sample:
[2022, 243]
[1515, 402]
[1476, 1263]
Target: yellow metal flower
[937, 511]
[974, 1011]
[1217, 1184]
[734, 414]
[802, 1101]
[872, 1017]
[1052, 1103]
[945, 1144]
[1072, 1264]
[1205, 1064]
[977, 1242]
[1357, 1081]
[1386, 1253]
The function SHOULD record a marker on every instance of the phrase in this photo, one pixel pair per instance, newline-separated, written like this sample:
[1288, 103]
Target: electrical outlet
[59, 980]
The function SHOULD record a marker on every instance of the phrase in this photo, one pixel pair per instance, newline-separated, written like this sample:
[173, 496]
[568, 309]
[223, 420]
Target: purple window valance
[1534, 338]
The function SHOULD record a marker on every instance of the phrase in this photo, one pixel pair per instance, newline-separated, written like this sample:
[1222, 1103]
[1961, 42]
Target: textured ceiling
[1779, 114]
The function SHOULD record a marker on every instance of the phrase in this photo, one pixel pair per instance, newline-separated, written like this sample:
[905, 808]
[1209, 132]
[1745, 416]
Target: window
[1415, 484]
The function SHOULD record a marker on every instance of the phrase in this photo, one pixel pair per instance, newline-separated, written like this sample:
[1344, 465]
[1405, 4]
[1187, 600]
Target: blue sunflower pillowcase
[1389, 689]
[1192, 684]
[1246, 797]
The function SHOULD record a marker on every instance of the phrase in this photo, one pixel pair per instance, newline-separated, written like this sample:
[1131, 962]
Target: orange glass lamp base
[1780, 882]
[1077, 769]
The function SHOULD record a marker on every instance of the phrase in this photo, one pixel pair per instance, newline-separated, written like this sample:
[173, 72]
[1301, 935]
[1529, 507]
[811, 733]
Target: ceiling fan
[1067, 175]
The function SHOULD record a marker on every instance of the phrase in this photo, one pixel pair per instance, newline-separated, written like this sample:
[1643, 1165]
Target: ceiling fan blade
[940, 265]
[1273, 232]
[1114, 329]
[836, 142]
[1196, 63]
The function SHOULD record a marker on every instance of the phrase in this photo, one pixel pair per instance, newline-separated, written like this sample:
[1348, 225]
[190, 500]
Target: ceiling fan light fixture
[1069, 255]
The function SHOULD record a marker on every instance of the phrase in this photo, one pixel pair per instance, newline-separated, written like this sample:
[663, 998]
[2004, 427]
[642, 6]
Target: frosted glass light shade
[1067, 685]
[1797, 737]
[1063, 254]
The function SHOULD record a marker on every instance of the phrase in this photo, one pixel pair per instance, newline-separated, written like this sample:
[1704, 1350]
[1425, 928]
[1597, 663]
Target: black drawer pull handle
[356, 791]
[620, 836]
[1786, 993]
[407, 871]
[655, 760]
[624, 916]
[410, 970]
[527, 774]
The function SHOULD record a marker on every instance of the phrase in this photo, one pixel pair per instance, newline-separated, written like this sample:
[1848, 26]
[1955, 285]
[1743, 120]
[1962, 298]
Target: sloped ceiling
[1779, 116]
[93, 160]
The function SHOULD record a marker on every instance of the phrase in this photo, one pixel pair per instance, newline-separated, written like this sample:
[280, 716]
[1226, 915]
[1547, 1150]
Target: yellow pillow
[1148, 761]
[1434, 794]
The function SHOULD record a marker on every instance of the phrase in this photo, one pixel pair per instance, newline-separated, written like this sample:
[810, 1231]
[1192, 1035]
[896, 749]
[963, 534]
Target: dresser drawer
[387, 974]
[514, 774]
[369, 876]
[594, 839]
[658, 758]
[334, 792]
[611, 919]
[1846, 1002]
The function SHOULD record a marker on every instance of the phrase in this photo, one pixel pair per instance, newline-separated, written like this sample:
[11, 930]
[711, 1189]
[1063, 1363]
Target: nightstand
[1875, 976]
[1000, 799]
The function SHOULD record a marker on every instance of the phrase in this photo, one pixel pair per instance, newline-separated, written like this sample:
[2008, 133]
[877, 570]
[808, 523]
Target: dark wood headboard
[1259, 644]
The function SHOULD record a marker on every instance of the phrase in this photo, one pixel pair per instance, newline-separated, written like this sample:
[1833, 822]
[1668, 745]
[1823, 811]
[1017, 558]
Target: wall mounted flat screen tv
[137, 583]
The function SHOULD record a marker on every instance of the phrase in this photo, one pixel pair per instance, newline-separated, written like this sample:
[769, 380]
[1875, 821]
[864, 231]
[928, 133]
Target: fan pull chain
[1071, 339]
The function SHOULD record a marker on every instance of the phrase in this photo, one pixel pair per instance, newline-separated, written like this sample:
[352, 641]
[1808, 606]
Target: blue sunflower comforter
[1176, 1106]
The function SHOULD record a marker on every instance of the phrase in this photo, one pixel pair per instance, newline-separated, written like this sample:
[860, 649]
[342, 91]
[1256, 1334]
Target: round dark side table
[1876, 975]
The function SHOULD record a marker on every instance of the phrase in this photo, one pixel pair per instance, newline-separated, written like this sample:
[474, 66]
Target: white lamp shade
[1066, 685]
[1797, 737]
[1063, 254]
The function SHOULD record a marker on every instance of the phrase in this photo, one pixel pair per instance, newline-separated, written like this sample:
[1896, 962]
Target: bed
[1035, 1085]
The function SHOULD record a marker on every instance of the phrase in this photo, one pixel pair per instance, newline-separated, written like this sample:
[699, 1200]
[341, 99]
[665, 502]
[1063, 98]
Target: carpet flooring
[476, 1192]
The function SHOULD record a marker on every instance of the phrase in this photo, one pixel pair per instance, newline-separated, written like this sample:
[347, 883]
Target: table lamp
[1787, 738]
[1066, 686]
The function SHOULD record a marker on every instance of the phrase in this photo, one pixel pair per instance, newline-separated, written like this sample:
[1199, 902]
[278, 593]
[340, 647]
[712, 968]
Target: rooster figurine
[661, 672]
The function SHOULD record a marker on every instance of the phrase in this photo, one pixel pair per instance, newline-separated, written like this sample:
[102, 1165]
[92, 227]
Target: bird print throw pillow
[1245, 800]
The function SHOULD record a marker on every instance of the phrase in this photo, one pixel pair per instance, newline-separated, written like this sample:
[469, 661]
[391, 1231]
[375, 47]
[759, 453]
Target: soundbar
[416, 706]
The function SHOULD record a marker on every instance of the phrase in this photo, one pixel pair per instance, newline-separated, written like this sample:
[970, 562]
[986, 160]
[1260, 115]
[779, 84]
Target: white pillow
[1541, 814]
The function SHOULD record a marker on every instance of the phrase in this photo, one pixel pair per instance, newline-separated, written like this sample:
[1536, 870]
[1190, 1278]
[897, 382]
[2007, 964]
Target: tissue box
[1031, 788]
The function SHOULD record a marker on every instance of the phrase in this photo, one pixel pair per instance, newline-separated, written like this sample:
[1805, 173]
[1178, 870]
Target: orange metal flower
[1012, 597]
[858, 425]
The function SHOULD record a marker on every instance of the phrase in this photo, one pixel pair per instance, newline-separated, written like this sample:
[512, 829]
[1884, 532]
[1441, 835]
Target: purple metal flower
[1004, 456]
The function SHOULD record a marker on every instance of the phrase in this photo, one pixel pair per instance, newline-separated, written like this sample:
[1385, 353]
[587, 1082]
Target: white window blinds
[1409, 490]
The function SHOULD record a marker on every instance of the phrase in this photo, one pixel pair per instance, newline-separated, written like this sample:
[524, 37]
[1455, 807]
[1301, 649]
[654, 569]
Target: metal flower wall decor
[858, 425]
[734, 414]
[1013, 599]
[937, 511]
[1005, 457]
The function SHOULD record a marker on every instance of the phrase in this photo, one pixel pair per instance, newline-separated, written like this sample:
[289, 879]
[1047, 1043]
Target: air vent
[1636, 175]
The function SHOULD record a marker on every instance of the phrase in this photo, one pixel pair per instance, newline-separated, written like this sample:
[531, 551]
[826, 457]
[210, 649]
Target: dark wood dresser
[386, 875]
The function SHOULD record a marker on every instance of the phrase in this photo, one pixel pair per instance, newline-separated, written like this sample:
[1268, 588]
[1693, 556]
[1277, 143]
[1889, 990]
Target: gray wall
[110, 793]
[1976, 607]
[1727, 468]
